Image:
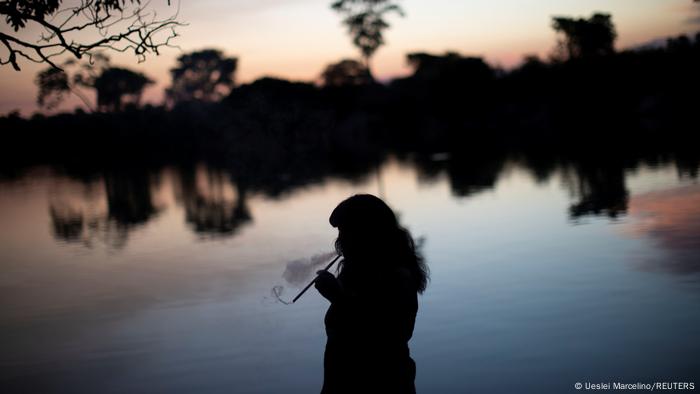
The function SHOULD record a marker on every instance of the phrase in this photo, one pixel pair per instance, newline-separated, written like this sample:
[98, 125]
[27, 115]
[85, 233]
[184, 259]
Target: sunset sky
[295, 39]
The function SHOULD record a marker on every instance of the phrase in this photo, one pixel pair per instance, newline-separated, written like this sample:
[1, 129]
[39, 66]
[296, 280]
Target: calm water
[161, 281]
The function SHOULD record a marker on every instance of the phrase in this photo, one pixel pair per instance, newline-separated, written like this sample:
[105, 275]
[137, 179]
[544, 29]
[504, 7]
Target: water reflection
[79, 212]
[514, 284]
[598, 189]
[597, 185]
[213, 203]
[67, 224]
[129, 199]
[107, 206]
[468, 173]
[671, 219]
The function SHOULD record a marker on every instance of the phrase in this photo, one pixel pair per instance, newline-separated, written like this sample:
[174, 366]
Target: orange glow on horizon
[296, 39]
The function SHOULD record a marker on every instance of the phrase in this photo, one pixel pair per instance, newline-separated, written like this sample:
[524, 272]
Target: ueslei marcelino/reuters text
[637, 386]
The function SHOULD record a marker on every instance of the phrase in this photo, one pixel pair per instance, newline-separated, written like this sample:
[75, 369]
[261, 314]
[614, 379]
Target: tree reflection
[129, 198]
[213, 204]
[468, 173]
[600, 190]
[103, 209]
[687, 165]
[77, 210]
[108, 206]
[67, 225]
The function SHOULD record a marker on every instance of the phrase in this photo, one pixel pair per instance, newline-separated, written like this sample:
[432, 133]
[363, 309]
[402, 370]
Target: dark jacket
[368, 330]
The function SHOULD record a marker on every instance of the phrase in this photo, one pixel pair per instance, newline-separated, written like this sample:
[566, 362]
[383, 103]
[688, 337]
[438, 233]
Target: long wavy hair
[372, 241]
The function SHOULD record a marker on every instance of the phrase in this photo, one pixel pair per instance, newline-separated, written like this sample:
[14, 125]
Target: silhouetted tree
[583, 38]
[121, 25]
[452, 67]
[55, 83]
[679, 44]
[205, 75]
[447, 77]
[115, 86]
[347, 72]
[53, 86]
[86, 72]
[530, 63]
[366, 23]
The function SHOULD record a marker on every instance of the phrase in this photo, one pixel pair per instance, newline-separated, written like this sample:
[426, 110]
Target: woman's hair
[370, 235]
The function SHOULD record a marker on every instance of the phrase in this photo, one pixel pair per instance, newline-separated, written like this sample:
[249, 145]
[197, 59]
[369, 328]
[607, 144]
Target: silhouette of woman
[373, 301]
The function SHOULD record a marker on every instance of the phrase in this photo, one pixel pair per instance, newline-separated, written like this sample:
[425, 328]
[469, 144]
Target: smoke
[277, 293]
[298, 273]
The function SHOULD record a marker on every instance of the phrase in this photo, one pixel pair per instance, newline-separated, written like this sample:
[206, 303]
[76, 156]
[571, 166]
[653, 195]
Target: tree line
[209, 75]
[586, 96]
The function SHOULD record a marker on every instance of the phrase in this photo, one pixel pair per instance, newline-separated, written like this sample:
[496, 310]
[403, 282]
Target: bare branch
[12, 57]
[135, 28]
[39, 49]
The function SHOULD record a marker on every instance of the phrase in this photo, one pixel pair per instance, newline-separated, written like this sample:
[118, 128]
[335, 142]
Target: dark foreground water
[161, 281]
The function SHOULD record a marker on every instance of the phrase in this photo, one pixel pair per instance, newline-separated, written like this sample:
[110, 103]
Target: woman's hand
[328, 285]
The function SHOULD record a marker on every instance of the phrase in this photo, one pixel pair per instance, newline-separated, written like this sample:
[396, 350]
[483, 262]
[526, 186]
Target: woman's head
[370, 237]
